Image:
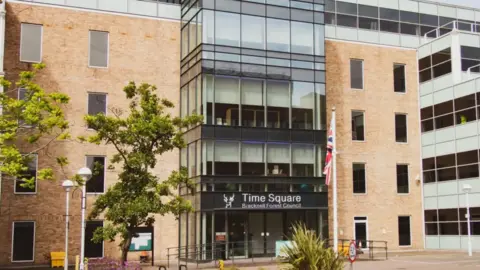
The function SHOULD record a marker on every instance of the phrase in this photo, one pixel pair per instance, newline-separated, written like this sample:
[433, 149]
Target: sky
[470, 3]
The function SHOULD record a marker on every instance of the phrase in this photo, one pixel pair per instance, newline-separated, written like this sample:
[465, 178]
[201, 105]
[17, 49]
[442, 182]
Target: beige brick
[143, 50]
[380, 152]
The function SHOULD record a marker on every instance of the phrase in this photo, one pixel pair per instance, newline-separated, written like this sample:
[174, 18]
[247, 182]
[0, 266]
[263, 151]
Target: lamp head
[467, 188]
[67, 185]
[85, 173]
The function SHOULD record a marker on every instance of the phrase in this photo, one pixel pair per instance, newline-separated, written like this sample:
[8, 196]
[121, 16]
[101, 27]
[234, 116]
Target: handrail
[469, 70]
[437, 30]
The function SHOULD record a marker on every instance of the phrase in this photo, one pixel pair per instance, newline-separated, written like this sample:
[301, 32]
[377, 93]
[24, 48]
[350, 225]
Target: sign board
[352, 251]
[220, 236]
[262, 201]
[279, 246]
[143, 242]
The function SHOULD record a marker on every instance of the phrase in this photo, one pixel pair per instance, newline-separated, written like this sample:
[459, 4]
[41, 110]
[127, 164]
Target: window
[31, 43]
[303, 105]
[402, 179]
[278, 159]
[278, 104]
[358, 129]
[97, 103]
[227, 29]
[303, 160]
[32, 164]
[401, 128]
[96, 184]
[399, 78]
[227, 157]
[253, 159]
[23, 241]
[356, 74]
[253, 109]
[302, 37]
[404, 237]
[359, 179]
[253, 32]
[92, 249]
[278, 35]
[98, 54]
[227, 99]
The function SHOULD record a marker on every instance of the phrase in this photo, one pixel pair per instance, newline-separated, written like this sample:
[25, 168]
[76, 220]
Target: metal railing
[449, 27]
[259, 251]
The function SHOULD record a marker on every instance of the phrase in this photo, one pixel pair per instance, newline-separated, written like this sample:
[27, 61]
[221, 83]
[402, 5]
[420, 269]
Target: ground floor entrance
[247, 234]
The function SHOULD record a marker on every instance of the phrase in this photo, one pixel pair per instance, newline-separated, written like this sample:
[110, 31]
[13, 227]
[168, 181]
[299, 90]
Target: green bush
[309, 252]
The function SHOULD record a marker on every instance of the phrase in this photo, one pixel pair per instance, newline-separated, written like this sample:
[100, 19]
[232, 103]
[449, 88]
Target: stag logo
[228, 200]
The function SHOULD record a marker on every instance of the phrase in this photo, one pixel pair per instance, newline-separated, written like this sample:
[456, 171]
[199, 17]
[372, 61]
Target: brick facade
[381, 204]
[143, 50]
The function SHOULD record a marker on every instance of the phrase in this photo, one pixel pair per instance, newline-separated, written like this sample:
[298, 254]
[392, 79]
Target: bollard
[162, 267]
[221, 265]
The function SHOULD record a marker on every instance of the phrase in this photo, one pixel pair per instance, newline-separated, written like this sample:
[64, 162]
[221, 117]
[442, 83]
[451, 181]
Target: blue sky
[470, 3]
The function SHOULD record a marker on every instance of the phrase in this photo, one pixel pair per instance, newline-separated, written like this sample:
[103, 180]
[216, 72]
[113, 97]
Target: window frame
[363, 73]
[406, 128]
[360, 219]
[103, 242]
[36, 182]
[104, 174]
[404, 78]
[88, 103]
[34, 240]
[410, 229]
[41, 43]
[108, 48]
[408, 178]
[365, 180]
[364, 126]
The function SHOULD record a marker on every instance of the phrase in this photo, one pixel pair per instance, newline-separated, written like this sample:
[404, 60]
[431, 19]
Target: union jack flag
[328, 160]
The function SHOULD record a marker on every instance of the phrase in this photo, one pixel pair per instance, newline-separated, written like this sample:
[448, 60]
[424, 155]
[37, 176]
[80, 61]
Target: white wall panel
[475, 242]
[389, 39]
[368, 36]
[426, 88]
[118, 5]
[466, 14]
[83, 3]
[466, 130]
[474, 200]
[408, 5]
[430, 203]
[347, 33]
[445, 11]
[447, 188]
[467, 144]
[409, 41]
[424, 51]
[428, 151]
[445, 134]
[393, 4]
[426, 101]
[369, 2]
[441, 43]
[472, 40]
[330, 31]
[449, 242]
[428, 8]
[464, 89]
[445, 148]
[142, 7]
[430, 190]
[446, 202]
[428, 138]
[473, 182]
[442, 82]
[432, 242]
[443, 95]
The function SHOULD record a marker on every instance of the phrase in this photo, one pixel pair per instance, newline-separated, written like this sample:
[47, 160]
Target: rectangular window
[399, 78]
[404, 237]
[92, 249]
[97, 103]
[227, 29]
[402, 179]
[96, 184]
[23, 241]
[31, 43]
[359, 179]
[401, 128]
[28, 174]
[358, 126]
[356, 74]
[98, 54]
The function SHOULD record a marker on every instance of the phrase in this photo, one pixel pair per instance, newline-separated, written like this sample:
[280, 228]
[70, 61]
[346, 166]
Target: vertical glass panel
[227, 157]
[253, 159]
[207, 94]
[320, 157]
[358, 130]
[253, 32]
[192, 98]
[278, 159]
[198, 161]
[185, 42]
[183, 157]
[319, 39]
[278, 35]
[278, 103]
[193, 34]
[31, 43]
[356, 74]
[199, 95]
[199, 27]
[302, 37]
[227, 29]
[303, 160]
[321, 107]
[98, 49]
[253, 109]
[191, 160]
[207, 157]
[227, 101]
[303, 104]
[208, 26]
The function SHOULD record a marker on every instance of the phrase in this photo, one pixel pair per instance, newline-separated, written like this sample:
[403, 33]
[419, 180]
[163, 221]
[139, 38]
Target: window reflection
[227, 29]
[253, 162]
[302, 105]
[253, 32]
[253, 110]
[302, 160]
[278, 159]
[226, 101]
[278, 35]
[226, 158]
[302, 38]
[278, 103]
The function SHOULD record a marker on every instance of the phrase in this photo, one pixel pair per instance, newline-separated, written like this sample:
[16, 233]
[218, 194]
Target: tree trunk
[126, 247]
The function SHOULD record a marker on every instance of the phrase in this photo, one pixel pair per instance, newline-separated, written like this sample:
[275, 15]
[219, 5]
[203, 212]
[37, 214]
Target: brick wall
[143, 50]
[381, 204]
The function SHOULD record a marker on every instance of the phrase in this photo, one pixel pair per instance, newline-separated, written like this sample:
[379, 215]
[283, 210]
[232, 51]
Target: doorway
[360, 231]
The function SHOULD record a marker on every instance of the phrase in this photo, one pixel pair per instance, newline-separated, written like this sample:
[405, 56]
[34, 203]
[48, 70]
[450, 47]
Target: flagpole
[334, 157]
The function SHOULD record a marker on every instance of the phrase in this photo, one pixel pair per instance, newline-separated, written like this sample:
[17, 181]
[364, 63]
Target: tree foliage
[139, 138]
[31, 120]
[308, 252]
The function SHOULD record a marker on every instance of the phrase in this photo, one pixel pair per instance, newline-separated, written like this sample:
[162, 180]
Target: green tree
[139, 138]
[29, 125]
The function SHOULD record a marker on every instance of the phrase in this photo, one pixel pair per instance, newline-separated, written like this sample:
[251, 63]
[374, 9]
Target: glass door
[256, 238]
[361, 231]
[273, 231]
[237, 234]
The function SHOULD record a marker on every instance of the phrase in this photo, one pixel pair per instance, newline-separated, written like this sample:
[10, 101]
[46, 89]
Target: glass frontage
[249, 67]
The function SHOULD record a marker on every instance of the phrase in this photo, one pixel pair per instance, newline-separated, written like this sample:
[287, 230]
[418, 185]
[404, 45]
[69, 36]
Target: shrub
[111, 264]
[309, 252]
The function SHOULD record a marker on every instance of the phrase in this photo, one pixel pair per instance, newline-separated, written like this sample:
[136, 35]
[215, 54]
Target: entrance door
[273, 231]
[360, 231]
[237, 234]
[256, 230]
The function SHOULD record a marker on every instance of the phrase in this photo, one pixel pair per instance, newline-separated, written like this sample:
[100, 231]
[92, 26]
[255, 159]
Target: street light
[85, 174]
[67, 185]
[467, 188]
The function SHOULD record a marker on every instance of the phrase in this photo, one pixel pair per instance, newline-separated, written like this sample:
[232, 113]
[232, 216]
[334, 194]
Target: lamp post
[67, 185]
[467, 188]
[85, 174]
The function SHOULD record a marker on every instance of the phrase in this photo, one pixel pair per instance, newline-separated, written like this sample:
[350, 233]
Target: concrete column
[456, 57]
